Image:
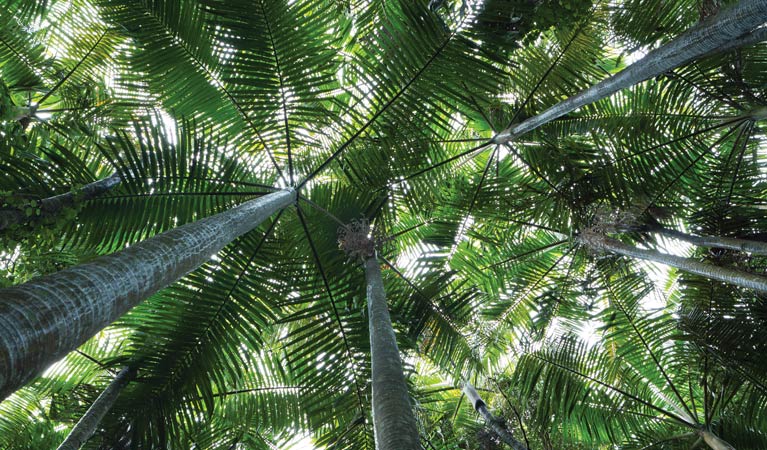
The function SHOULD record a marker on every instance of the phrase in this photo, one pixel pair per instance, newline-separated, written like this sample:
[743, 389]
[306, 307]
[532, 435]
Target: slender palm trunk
[743, 245]
[732, 276]
[497, 425]
[52, 206]
[733, 27]
[714, 441]
[45, 318]
[87, 424]
[393, 421]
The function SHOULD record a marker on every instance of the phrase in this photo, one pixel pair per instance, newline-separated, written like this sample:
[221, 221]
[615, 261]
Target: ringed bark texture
[480, 406]
[732, 276]
[737, 23]
[394, 424]
[87, 424]
[743, 245]
[46, 318]
[53, 205]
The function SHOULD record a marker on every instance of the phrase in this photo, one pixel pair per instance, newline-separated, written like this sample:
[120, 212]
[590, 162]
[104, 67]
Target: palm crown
[499, 257]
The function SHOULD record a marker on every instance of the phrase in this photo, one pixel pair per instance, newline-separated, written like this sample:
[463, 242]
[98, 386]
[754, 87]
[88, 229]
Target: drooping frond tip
[357, 239]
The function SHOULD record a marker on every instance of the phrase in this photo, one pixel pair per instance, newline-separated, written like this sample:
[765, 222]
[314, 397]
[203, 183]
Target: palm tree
[601, 379]
[730, 29]
[62, 310]
[386, 110]
[726, 274]
[86, 426]
[393, 421]
[478, 404]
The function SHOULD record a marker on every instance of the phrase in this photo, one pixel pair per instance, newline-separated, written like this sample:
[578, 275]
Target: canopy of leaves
[384, 110]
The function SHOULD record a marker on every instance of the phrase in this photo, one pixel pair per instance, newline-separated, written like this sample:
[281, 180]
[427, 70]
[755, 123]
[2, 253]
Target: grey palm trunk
[743, 245]
[725, 274]
[714, 441]
[46, 318]
[88, 423]
[733, 27]
[52, 206]
[497, 425]
[394, 424]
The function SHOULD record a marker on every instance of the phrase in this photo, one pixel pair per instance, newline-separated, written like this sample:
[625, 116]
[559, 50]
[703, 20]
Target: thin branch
[535, 171]
[378, 113]
[689, 166]
[226, 92]
[516, 413]
[530, 289]
[618, 390]
[96, 361]
[716, 126]
[649, 350]
[744, 145]
[74, 69]
[462, 229]
[204, 335]
[437, 310]
[550, 69]
[282, 90]
[441, 163]
[322, 210]
[325, 281]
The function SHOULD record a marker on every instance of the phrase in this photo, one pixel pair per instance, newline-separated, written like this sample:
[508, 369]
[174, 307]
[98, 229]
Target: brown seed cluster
[357, 240]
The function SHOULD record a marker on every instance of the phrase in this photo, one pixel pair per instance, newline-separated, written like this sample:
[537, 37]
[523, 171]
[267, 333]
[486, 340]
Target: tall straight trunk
[497, 425]
[732, 276]
[46, 318]
[393, 420]
[87, 424]
[743, 245]
[714, 441]
[52, 206]
[731, 28]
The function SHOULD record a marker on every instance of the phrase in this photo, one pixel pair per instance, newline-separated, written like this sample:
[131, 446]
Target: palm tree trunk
[743, 245]
[729, 29]
[51, 206]
[497, 425]
[87, 424]
[714, 441]
[393, 421]
[46, 318]
[732, 276]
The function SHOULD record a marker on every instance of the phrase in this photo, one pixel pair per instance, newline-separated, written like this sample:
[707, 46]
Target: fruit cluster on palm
[215, 213]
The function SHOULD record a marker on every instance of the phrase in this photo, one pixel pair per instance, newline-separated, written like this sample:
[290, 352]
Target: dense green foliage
[385, 110]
